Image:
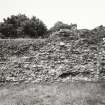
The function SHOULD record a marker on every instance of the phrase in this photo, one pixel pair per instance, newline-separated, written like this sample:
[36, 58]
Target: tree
[21, 26]
[34, 28]
[12, 26]
[60, 25]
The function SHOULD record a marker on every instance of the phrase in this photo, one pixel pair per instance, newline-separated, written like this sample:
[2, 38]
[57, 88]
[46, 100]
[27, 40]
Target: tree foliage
[22, 26]
[34, 27]
[60, 25]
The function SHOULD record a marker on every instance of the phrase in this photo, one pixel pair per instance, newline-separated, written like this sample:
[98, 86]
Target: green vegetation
[77, 93]
[60, 25]
[20, 26]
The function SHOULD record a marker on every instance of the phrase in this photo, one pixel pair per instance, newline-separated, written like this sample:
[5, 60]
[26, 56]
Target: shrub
[60, 25]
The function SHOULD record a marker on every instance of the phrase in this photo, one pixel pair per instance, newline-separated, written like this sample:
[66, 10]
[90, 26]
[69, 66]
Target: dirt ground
[68, 93]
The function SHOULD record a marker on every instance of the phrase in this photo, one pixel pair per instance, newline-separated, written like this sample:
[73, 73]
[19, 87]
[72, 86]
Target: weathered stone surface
[59, 56]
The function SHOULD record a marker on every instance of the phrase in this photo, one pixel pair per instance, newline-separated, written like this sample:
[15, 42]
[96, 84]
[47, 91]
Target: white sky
[85, 13]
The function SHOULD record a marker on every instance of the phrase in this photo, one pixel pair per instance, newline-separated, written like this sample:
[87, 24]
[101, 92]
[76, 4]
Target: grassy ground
[68, 93]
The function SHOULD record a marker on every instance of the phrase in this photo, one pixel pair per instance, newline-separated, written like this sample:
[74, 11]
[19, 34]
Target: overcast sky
[85, 13]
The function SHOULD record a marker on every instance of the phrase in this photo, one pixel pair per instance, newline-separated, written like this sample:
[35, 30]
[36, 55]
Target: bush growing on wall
[60, 25]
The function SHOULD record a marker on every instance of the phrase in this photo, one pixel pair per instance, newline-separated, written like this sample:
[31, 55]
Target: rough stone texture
[64, 55]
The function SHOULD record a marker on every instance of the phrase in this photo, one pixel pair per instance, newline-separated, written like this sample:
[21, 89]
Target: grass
[68, 93]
